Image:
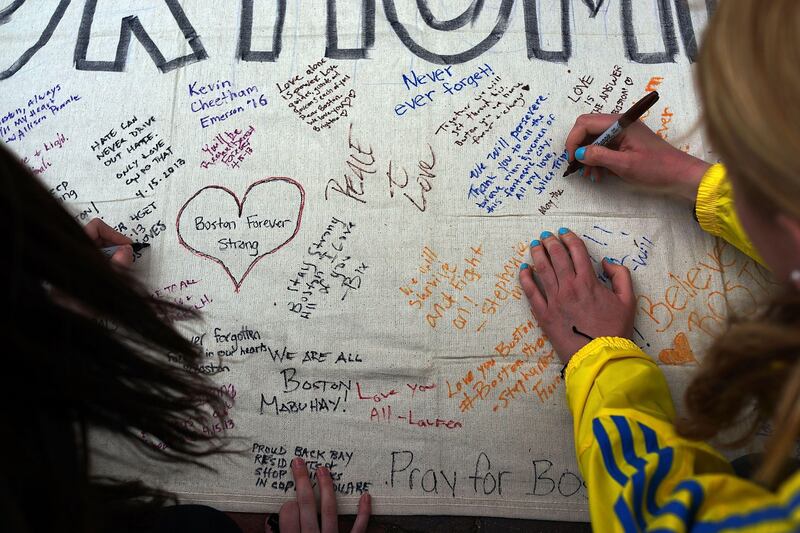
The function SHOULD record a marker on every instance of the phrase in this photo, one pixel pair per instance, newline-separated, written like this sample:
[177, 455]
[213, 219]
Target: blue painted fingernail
[580, 153]
[582, 169]
[563, 231]
[523, 266]
[535, 243]
[609, 260]
[545, 235]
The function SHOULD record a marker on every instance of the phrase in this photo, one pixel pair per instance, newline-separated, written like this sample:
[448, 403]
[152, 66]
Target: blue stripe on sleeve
[697, 494]
[624, 515]
[608, 454]
[677, 508]
[650, 439]
[665, 457]
[638, 478]
[766, 514]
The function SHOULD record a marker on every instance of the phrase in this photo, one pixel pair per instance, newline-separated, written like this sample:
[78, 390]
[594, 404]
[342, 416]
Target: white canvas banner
[346, 190]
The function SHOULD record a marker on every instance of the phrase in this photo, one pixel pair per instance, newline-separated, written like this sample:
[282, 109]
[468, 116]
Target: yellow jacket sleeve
[715, 212]
[640, 474]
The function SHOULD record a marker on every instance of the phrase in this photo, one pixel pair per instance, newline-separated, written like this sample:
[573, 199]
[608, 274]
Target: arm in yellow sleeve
[641, 475]
[715, 212]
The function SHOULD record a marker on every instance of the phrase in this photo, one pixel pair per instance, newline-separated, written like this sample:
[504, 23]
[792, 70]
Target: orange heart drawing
[680, 355]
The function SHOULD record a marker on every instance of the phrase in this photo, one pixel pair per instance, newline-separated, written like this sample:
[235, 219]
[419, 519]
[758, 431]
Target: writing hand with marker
[300, 516]
[105, 236]
[639, 157]
[568, 300]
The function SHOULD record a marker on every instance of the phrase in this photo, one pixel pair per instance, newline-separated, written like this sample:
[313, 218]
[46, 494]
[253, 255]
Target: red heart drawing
[237, 242]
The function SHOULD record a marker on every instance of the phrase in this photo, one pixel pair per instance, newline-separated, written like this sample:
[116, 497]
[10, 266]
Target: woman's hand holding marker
[570, 303]
[639, 157]
[104, 235]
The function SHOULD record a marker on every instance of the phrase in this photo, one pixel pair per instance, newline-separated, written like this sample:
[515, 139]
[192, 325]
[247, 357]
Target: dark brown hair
[67, 373]
[749, 83]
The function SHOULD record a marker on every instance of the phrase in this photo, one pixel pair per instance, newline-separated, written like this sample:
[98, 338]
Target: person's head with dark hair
[68, 373]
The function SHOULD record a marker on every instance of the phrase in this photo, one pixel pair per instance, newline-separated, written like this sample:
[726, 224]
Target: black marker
[631, 116]
[111, 250]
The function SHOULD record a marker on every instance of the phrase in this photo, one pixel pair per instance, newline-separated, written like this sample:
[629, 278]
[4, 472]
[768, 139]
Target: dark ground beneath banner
[254, 523]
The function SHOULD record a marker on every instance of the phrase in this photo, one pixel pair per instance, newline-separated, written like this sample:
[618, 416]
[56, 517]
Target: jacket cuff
[593, 348]
[708, 196]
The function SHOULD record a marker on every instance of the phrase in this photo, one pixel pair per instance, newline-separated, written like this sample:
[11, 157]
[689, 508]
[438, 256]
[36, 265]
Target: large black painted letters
[594, 6]
[332, 49]
[667, 28]
[6, 12]
[496, 34]
[533, 36]
[687, 26]
[55, 19]
[470, 14]
[131, 26]
[246, 52]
